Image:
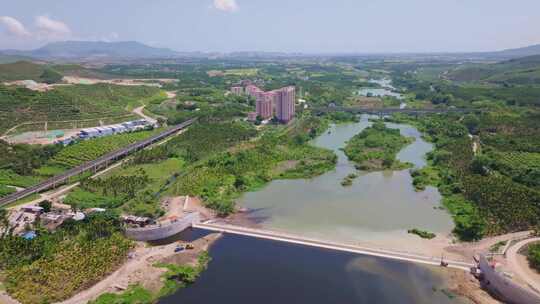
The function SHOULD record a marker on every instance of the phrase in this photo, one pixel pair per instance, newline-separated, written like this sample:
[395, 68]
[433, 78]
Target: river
[378, 208]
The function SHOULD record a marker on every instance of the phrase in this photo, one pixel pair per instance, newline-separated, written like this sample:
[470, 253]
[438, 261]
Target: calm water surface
[248, 270]
[378, 207]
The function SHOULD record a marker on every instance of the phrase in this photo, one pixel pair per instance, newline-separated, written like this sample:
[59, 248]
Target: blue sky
[312, 26]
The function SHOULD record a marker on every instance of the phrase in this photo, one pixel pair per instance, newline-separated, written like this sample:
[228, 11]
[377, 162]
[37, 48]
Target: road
[289, 238]
[140, 112]
[522, 269]
[94, 164]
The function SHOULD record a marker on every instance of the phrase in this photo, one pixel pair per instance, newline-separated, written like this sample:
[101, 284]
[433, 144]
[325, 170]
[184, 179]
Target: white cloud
[14, 27]
[51, 29]
[226, 5]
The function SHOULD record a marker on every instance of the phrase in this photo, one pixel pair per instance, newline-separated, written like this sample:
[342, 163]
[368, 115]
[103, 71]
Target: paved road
[289, 238]
[523, 271]
[94, 164]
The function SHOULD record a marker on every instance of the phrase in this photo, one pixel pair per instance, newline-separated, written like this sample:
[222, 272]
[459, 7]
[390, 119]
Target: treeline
[449, 94]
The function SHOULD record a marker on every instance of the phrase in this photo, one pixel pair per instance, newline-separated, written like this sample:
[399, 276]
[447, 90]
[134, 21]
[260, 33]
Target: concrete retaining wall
[504, 287]
[155, 233]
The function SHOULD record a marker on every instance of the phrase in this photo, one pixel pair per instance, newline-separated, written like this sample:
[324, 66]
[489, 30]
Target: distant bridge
[289, 238]
[389, 111]
[93, 164]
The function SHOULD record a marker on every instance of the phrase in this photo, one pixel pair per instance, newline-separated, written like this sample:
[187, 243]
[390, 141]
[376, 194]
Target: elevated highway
[104, 160]
[289, 238]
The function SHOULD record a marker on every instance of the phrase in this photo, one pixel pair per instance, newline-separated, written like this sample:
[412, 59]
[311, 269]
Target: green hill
[75, 102]
[25, 70]
[521, 71]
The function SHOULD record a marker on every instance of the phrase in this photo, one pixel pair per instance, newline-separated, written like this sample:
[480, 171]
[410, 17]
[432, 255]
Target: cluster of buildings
[278, 103]
[23, 220]
[129, 126]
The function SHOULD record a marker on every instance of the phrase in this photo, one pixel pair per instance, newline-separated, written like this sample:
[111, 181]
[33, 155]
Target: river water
[378, 207]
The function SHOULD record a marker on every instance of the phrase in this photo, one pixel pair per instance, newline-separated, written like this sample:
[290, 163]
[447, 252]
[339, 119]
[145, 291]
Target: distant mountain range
[516, 53]
[73, 50]
[95, 50]
[523, 70]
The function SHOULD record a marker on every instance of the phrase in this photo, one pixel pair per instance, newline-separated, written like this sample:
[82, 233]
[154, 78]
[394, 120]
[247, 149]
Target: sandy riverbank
[139, 269]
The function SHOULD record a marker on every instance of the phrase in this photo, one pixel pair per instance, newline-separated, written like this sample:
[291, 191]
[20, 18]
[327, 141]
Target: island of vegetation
[376, 147]
[422, 233]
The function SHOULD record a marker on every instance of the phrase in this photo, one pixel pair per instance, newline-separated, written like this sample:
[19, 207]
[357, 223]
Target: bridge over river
[389, 111]
[295, 239]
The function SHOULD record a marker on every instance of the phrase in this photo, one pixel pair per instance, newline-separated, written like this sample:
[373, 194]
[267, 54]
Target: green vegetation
[494, 191]
[18, 162]
[25, 70]
[222, 177]
[348, 180]
[54, 266]
[519, 71]
[426, 176]
[203, 140]
[176, 277]
[68, 103]
[533, 256]
[422, 233]
[376, 147]
[497, 246]
[74, 155]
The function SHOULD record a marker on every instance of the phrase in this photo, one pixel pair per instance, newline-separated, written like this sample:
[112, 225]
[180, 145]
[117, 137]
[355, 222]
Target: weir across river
[289, 238]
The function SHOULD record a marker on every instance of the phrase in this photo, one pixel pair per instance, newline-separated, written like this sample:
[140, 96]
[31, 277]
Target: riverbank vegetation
[277, 154]
[422, 233]
[492, 190]
[176, 277]
[533, 256]
[55, 265]
[376, 147]
[348, 180]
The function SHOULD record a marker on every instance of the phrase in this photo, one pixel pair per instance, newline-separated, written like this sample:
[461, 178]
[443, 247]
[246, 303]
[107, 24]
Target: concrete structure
[289, 238]
[237, 90]
[279, 103]
[163, 229]
[252, 116]
[504, 287]
[253, 91]
[285, 104]
[128, 126]
[264, 105]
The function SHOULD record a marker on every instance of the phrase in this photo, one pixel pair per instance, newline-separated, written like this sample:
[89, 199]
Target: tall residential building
[285, 104]
[265, 104]
[253, 91]
[237, 90]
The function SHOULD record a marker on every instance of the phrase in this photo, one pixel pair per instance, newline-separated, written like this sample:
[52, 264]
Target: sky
[307, 26]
